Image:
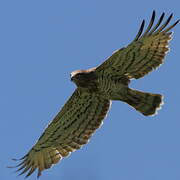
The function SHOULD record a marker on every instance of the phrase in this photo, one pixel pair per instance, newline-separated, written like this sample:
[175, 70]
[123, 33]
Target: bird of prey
[85, 110]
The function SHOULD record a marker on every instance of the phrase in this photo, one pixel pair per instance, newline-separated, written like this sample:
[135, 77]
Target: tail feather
[146, 103]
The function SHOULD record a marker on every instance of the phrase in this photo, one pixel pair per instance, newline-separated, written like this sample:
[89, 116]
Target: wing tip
[156, 29]
[140, 31]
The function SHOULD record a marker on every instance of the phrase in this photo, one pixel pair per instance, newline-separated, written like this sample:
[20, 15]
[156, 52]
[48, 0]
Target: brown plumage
[88, 106]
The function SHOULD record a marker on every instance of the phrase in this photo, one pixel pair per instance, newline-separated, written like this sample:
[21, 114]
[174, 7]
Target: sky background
[41, 42]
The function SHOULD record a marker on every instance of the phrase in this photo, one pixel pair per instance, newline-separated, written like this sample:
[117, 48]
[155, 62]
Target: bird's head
[82, 78]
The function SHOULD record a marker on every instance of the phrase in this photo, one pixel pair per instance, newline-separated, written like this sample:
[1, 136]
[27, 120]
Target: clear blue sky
[41, 42]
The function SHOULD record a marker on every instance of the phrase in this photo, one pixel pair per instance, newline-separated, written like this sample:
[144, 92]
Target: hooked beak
[72, 78]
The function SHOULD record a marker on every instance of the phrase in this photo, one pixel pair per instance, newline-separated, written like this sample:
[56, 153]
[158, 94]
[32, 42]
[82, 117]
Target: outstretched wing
[71, 128]
[144, 54]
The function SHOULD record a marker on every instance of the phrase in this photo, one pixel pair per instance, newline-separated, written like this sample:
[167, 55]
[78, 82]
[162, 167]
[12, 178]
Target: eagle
[88, 106]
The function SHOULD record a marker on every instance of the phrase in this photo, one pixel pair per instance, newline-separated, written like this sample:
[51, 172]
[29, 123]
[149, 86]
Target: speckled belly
[111, 87]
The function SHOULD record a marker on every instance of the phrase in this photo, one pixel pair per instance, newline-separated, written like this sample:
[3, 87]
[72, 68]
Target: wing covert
[70, 129]
[145, 53]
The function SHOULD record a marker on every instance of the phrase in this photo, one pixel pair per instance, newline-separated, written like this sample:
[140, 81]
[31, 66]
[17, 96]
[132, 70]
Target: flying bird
[85, 110]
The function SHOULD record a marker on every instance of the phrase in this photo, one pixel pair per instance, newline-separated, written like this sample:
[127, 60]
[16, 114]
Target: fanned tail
[145, 103]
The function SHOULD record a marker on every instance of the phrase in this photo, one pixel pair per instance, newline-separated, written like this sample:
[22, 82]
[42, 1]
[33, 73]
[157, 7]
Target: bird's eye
[78, 75]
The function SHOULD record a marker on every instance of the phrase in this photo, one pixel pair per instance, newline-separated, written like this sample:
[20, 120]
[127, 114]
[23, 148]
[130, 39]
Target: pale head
[82, 78]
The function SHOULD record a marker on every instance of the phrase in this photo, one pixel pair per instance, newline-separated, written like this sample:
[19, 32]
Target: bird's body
[115, 88]
[102, 84]
[85, 110]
